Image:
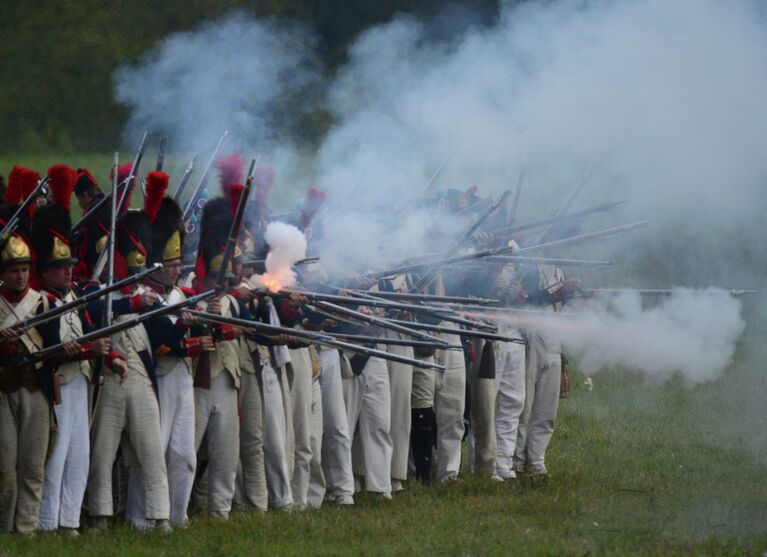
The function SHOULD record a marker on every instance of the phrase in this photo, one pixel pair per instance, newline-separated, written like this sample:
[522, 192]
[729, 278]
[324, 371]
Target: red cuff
[226, 332]
[236, 294]
[192, 346]
[7, 347]
[86, 351]
[110, 358]
[181, 325]
[135, 303]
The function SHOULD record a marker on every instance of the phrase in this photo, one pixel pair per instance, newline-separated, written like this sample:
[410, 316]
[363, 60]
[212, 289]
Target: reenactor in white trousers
[66, 471]
[127, 414]
[173, 348]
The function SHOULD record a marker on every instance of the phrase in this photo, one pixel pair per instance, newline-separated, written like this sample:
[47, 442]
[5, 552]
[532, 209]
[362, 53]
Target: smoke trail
[238, 73]
[693, 332]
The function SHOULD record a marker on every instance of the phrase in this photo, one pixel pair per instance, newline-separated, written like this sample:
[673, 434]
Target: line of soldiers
[176, 411]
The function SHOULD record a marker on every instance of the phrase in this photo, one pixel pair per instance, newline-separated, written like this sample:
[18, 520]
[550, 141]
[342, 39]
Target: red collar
[13, 297]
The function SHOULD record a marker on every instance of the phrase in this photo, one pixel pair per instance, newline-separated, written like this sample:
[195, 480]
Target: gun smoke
[670, 101]
[692, 332]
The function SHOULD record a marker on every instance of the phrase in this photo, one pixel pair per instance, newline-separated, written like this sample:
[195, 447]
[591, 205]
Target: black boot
[422, 437]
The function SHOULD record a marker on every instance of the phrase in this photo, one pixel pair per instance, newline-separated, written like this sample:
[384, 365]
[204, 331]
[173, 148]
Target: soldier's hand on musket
[206, 343]
[10, 335]
[187, 319]
[120, 367]
[71, 348]
[245, 294]
[570, 288]
[214, 306]
[149, 298]
[101, 346]
[282, 339]
[297, 300]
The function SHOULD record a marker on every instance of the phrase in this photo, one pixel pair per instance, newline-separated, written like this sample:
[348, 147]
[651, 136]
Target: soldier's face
[170, 273]
[58, 278]
[16, 277]
[84, 200]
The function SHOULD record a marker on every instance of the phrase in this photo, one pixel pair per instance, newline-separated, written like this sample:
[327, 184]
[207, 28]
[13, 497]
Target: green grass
[632, 472]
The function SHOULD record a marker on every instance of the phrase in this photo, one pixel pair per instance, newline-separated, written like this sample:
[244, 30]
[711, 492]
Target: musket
[459, 332]
[553, 220]
[431, 181]
[568, 203]
[122, 189]
[57, 349]
[185, 179]
[106, 315]
[133, 172]
[596, 235]
[505, 259]
[204, 179]
[434, 298]
[385, 323]
[391, 341]
[473, 228]
[316, 338]
[161, 154]
[660, 291]
[427, 279]
[370, 300]
[84, 299]
[234, 229]
[438, 262]
[13, 222]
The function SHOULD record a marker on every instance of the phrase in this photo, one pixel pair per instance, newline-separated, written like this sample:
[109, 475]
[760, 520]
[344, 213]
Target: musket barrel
[318, 338]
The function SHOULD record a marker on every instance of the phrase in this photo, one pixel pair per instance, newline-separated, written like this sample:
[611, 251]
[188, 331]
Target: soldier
[218, 373]
[545, 288]
[25, 420]
[66, 472]
[128, 397]
[173, 349]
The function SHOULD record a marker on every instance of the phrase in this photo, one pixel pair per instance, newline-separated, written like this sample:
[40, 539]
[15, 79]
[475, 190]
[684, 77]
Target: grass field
[634, 470]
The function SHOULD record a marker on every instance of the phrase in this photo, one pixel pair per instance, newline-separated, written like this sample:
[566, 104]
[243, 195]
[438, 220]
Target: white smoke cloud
[287, 244]
[692, 332]
[232, 74]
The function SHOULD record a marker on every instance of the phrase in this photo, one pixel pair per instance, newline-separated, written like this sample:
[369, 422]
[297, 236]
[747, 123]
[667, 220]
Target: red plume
[14, 193]
[156, 186]
[29, 180]
[234, 193]
[231, 170]
[313, 201]
[123, 172]
[62, 181]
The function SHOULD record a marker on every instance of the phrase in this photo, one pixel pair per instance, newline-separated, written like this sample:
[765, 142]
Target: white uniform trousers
[66, 472]
[401, 387]
[368, 406]
[336, 441]
[275, 438]
[251, 475]
[301, 405]
[316, 487]
[128, 407]
[536, 425]
[25, 425]
[449, 404]
[509, 401]
[217, 422]
[482, 390]
[177, 429]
